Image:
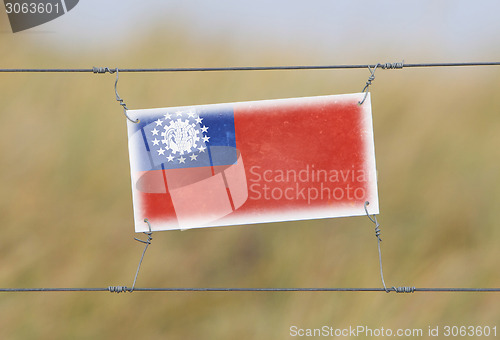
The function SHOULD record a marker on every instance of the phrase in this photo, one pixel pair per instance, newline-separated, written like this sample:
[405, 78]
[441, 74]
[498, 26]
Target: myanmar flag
[252, 162]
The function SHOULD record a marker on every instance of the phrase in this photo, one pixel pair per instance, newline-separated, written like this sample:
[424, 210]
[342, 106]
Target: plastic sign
[252, 162]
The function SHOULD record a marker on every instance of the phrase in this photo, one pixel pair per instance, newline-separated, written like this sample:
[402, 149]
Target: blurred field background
[66, 211]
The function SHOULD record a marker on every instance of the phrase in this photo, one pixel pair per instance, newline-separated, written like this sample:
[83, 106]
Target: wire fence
[397, 65]
[371, 67]
[123, 289]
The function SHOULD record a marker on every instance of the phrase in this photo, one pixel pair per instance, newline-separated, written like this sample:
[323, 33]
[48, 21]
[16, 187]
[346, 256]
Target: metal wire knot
[374, 220]
[148, 233]
[385, 66]
[404, 289]
[117, 289]
[103, 70]
[392, 66]
[368, 83]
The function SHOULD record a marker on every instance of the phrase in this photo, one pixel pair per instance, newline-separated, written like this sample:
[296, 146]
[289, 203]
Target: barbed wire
[371, 67]
[121, 289]
[398, 65]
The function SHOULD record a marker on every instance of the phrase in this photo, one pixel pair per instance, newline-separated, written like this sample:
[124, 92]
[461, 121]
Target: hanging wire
[147, 242]
[102, 70]
[118, 99]
[377, 235]
[122, 289]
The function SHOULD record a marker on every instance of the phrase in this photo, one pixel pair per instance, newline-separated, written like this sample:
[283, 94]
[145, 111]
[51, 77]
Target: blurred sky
[445, 30]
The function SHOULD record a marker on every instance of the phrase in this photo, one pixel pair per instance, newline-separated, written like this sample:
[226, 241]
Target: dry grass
[65, 205]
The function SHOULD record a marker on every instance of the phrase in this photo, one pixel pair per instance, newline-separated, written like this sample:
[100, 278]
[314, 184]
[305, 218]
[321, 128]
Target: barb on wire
[102, 70]
[392, 66]
[118, 289]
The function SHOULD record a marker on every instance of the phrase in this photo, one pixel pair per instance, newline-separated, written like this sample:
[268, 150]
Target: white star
[182, 160]
[170, 158]
[158, 122]
[205, 139]
[191, 114]
[193, 157]
[156, 141]
[161, 151]
[201, 149]
[154, 132]
[179, 113]
[198, 120]
[204, 129]
[167, 115]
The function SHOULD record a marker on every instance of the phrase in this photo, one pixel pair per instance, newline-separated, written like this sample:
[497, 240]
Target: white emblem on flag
[182, 133]
[180, 136]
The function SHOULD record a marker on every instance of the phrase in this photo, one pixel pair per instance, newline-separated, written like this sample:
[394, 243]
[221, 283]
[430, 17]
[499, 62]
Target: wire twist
[392, 66]
[404, 289]
[118, 289]
[374, 220]
[102, 70]
[385, 66]
[368, 83]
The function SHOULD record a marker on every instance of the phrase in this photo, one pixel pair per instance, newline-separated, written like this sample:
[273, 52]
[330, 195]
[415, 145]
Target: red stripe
[299, 139]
